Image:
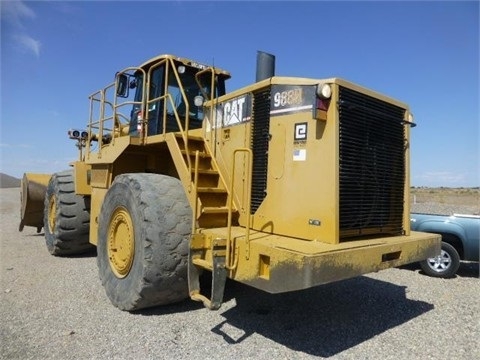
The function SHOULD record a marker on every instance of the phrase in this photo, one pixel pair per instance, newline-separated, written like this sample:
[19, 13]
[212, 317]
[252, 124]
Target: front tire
[144, 229]
[66, 217]
[444, 265]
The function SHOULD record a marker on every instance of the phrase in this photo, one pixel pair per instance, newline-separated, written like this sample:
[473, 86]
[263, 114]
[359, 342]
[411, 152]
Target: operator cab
[169, 94]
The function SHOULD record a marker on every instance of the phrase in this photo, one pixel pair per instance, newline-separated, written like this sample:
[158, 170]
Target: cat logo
[235, 111]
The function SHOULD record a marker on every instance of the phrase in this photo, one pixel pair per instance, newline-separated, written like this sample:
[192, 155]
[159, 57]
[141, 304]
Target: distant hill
[7, 181]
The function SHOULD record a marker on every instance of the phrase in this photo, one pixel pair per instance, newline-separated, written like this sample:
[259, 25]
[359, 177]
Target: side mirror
[122, 85]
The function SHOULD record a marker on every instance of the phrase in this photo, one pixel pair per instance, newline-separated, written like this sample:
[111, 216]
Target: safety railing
[231, 249]
[107, 125]
[195, 192]
[210, 96]
[110, 117]
[98, 123]
[167, 98]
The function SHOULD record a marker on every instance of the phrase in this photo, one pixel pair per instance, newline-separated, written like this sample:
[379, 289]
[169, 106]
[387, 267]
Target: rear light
[323, 104]
[324, 91]
[322, 101]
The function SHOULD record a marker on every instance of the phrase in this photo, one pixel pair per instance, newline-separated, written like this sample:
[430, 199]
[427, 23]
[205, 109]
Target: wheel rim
[121, 243]
[52, 209]
[441, 262]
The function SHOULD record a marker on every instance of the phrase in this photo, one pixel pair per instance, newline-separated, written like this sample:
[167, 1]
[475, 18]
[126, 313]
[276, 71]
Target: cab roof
[186, 62]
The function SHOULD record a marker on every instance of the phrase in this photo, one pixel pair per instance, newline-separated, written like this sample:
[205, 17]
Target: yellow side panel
[302, 187]
[101, 175]
[95, 206]
[109, 153]
[82, 178]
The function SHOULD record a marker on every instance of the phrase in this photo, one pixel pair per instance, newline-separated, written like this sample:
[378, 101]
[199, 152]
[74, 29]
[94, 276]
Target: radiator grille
[259, 145]
[372, 165]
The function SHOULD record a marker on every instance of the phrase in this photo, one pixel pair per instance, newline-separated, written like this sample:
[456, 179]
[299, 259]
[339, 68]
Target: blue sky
[55, 54]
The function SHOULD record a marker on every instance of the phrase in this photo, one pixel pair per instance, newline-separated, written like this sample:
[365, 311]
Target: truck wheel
[143, 241]
[66, 217]
[444, 265]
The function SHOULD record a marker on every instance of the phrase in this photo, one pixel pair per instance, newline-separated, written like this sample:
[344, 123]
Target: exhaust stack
[265, 66]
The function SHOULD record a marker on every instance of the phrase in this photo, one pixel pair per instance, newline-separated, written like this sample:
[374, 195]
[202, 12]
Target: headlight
[77, 134]
[198, 100]
[324, 91]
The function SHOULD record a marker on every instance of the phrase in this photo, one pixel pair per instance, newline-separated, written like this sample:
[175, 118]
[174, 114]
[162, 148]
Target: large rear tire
[66, 217]
[144, 229]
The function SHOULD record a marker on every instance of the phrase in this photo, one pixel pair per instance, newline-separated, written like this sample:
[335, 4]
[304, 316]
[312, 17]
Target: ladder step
[206, 171]
[215, 210]
[193, 153]
[202, 263]
[190, 137]
[211, 190]
[219, 278]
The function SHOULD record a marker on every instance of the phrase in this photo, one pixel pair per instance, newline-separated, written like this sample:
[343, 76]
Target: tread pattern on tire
[72, 218]
[162, 217]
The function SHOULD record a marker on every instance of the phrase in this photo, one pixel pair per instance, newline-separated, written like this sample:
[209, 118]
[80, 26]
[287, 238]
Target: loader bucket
[32, 195]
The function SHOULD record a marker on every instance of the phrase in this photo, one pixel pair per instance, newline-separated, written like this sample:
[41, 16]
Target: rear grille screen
[259, 145]
[372, 165]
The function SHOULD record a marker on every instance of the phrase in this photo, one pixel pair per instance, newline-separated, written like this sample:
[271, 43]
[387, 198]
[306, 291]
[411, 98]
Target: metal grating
[372, 165]
[259, 145]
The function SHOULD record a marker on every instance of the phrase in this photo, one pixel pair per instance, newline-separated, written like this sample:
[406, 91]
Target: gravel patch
[445, 209]
[56, 308]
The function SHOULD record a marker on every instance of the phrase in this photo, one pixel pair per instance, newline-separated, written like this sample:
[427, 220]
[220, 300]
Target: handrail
[117, 105]
[210, 98]
[197, 79]
[183, 131]
[195, 192]
[102, 119]
[102, 116]
[147, 94]
[99, 122]
[228, 264]
[101, 97]
[168, 96]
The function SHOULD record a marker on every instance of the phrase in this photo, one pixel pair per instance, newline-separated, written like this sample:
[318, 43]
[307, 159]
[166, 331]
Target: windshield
[191, 89]
[159, 104]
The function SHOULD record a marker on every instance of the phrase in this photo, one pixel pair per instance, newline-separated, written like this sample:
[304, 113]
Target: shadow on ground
[322, 321]
[466, 269]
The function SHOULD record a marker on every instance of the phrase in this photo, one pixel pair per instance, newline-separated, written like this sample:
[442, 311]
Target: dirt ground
[461, 200]
[56, 308]
[454, 196]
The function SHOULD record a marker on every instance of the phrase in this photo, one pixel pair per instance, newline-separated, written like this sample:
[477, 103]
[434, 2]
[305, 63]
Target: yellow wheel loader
[283, 185]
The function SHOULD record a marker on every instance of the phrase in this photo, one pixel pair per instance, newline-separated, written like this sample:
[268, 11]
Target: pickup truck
[460, 241]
